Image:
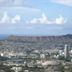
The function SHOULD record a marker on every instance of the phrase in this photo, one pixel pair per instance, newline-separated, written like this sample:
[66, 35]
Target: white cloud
[27, 2]
[8, 19]
[60, 20]
[64, 2]
[12, 2]
[16, 19]
[5, 2]
[5, 18]
[44, 20]
[18, 2]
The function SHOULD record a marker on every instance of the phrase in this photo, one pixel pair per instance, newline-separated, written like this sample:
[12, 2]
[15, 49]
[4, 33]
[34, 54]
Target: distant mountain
[40, 38]
[39, 42]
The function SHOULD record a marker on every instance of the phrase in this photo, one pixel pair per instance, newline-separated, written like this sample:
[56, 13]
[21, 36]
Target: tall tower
[66, 51]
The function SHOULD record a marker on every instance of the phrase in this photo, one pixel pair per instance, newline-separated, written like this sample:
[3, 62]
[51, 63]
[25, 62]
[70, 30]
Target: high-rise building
[66, 51]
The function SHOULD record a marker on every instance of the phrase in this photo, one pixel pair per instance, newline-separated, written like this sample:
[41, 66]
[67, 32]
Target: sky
[36, 17]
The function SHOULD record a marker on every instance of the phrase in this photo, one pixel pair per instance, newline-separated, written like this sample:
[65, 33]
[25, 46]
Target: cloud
[45, 20]
[19, 2]
[12, 2]
[60, 20]
[64, 2]
[8, 19]
[16, 19]
[5, 18]
[5, 2]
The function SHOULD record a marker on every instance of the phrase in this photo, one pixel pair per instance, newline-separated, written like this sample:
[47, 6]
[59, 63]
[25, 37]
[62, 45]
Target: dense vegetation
[4, 68]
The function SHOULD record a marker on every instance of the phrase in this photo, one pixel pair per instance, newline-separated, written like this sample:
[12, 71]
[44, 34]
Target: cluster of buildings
[36, 59]
[66, 52]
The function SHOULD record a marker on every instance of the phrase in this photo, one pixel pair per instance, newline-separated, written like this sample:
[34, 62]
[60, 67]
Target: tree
[61, 67]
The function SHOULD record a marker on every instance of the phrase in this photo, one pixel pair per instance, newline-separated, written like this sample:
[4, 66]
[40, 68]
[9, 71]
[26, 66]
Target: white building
[16, 69]
[42, 56]
[66, 51]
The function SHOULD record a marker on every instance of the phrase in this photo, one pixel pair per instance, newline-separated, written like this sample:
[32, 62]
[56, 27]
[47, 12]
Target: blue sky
[36, 17]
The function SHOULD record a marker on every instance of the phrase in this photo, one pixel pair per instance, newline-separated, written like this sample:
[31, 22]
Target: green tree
[61, 67]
